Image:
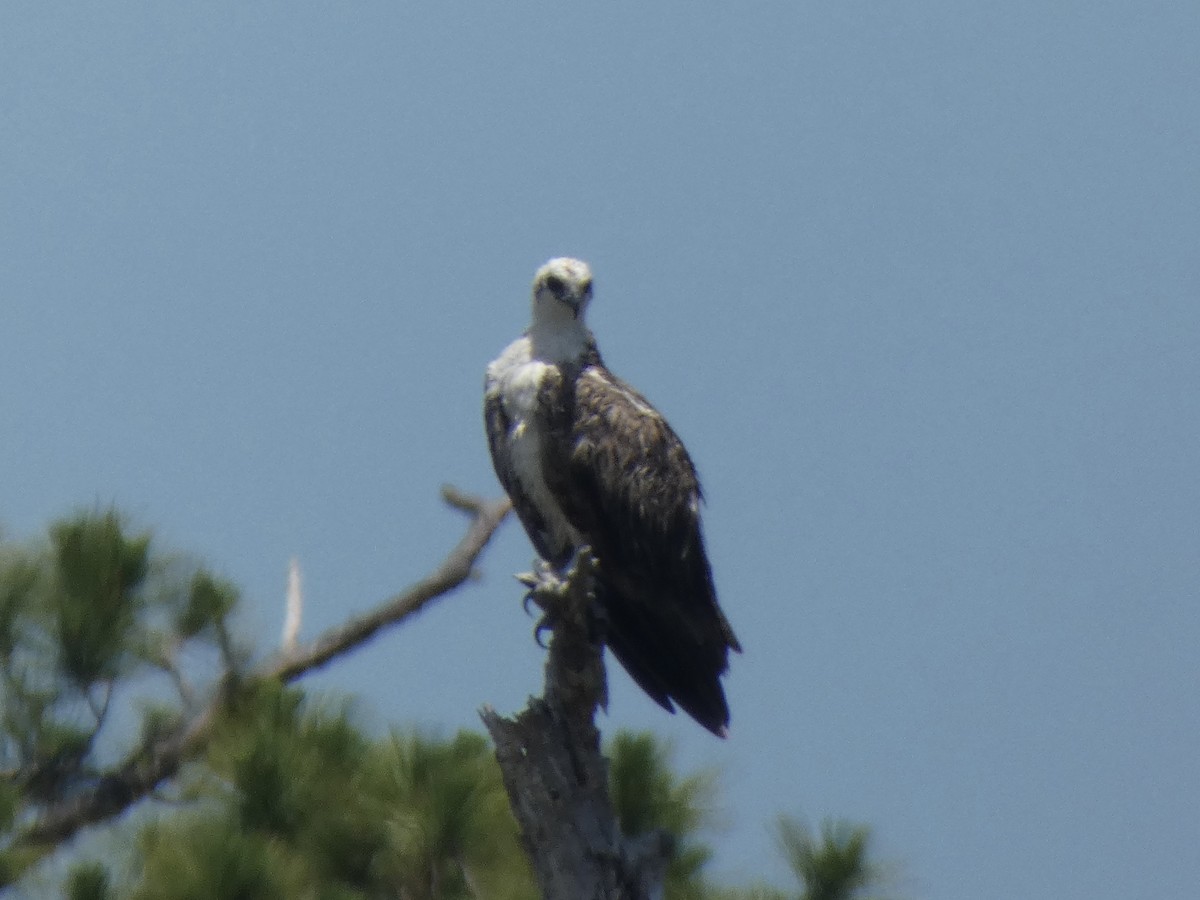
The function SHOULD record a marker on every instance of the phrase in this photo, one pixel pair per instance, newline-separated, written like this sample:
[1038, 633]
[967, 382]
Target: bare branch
[145, 769]
[294, 608]
[456, 568]
[467, 503]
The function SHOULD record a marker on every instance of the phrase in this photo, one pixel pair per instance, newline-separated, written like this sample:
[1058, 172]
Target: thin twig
[99, 710]
[166, 662]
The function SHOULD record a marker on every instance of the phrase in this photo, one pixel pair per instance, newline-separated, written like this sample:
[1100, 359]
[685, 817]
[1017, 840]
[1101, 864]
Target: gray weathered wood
[555, 774]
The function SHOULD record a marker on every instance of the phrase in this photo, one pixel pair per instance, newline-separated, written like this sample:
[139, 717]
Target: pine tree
[832, 866]
[297, 801]
[648, 795]
[85, 616]
[93, 619]
[270, 793]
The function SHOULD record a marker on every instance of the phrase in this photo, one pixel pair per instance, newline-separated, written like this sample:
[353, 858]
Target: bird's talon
[545, 623]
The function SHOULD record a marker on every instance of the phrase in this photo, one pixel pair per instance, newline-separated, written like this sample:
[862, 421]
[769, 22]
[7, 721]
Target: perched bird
[588, 461]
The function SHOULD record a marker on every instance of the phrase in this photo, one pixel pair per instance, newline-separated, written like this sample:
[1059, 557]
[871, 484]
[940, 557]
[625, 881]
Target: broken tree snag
[549, 755]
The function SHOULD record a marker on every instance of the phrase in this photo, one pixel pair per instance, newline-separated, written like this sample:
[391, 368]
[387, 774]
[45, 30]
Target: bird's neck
[559, 342]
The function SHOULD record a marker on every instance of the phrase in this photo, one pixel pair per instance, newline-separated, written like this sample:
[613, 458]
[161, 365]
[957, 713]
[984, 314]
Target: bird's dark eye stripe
[555, 284]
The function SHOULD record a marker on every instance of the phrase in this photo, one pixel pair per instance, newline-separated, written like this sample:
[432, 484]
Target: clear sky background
[918, 283]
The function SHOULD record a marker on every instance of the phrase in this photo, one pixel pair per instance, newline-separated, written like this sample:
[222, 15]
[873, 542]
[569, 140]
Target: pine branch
[149, 766]
[553, 770]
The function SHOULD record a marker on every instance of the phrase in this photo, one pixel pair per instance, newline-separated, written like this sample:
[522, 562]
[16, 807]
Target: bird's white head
[562, 289]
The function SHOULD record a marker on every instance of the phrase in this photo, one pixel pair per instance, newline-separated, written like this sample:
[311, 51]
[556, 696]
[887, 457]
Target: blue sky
[918, 283]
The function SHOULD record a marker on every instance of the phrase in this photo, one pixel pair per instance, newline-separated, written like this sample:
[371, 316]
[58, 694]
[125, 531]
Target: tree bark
[554, 772]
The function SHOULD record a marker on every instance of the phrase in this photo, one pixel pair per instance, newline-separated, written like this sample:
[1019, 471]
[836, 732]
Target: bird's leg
[575, 678]
[545, 591]
[553, 594]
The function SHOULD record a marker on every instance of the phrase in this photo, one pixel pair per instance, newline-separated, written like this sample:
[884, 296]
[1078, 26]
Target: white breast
[517, 379]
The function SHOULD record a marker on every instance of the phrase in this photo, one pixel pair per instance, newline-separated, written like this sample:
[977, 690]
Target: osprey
[587, 460]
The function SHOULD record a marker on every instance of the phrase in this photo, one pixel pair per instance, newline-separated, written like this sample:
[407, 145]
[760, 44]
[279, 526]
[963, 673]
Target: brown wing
[634, 494]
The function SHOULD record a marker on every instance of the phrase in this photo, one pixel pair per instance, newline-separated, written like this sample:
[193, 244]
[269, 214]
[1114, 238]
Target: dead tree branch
[455, 569]
[554, 772]
[146, 768]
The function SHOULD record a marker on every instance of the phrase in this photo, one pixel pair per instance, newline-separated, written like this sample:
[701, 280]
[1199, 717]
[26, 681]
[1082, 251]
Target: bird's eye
[587, 289]
[555, 284]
